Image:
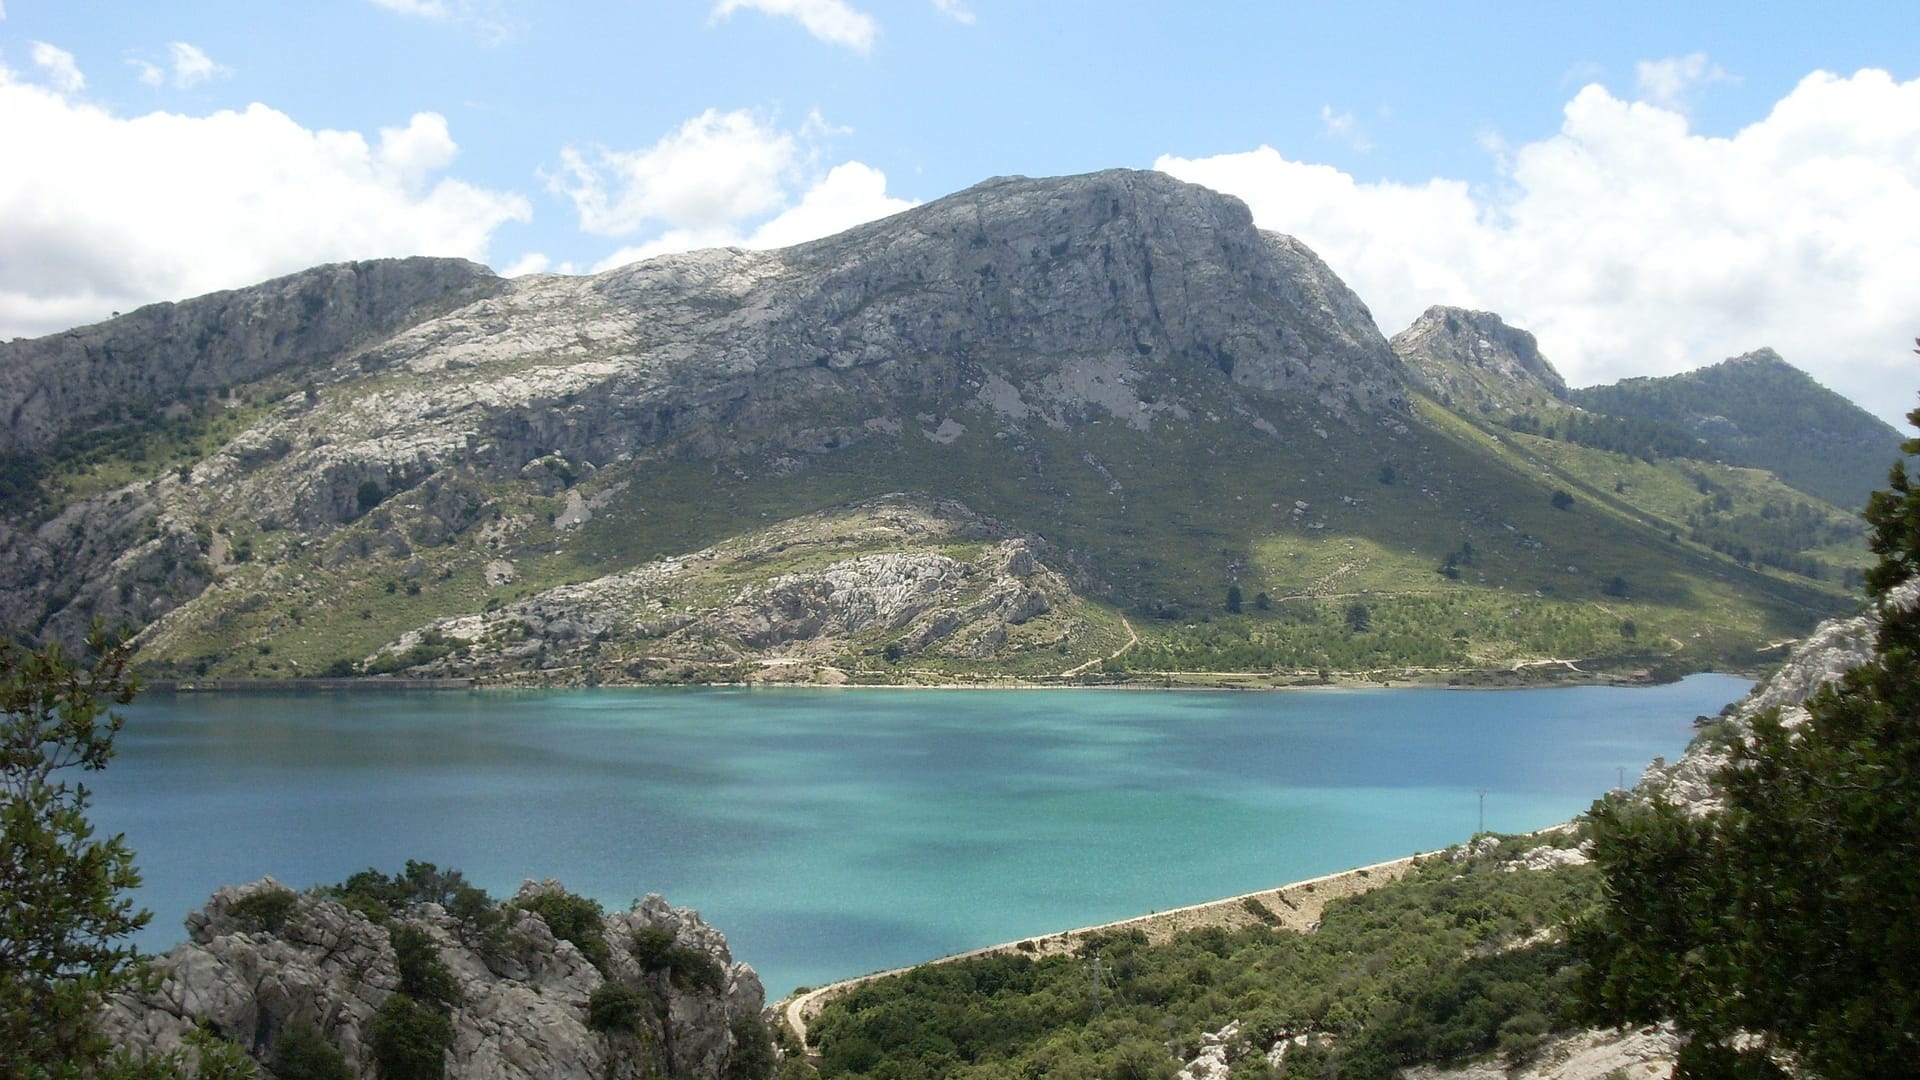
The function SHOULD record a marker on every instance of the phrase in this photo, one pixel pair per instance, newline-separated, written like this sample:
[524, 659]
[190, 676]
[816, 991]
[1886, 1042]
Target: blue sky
[1647, 187]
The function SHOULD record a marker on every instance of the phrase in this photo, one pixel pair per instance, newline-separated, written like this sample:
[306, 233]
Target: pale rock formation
[523, 1010]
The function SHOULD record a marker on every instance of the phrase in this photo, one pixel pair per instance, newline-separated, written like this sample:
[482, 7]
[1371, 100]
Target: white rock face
[523, 1009]
[1836, 647]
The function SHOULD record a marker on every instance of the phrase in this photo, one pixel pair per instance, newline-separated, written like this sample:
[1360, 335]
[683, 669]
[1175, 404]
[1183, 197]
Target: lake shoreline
[1494, 679]
[1294, 906]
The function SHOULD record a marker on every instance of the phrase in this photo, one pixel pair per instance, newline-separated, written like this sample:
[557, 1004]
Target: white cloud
[717, 169]
[120, 211]
[411, 154]
[832, 21]
[1632, 245]
[850, 194]
[957, 10]
[720, 180]
[1667, 82]
[487, 18]
[191, 65]
[1344, 127]
[419, 9]
[533, 262]
[62, 73]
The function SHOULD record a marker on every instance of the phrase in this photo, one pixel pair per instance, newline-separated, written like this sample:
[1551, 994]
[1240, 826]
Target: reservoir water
[829, 833]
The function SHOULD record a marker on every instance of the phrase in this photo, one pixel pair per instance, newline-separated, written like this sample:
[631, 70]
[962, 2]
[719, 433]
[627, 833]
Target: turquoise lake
[833, 832]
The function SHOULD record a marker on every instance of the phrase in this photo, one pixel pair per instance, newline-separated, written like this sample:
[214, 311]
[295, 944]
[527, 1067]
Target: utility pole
[1482, 792]
[1098, 975]
[1622, 785]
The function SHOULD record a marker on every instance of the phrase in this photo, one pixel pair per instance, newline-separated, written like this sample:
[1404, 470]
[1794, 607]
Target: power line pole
[1482, 792]
[1098, 975]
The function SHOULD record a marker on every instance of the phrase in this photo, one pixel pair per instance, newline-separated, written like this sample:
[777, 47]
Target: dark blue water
[830, 833]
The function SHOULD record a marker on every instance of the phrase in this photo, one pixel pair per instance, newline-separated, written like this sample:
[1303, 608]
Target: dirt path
[1132, 640]
[1294, 907]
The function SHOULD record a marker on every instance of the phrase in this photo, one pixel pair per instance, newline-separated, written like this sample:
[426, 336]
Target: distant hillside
[1084, 427]
[1758, 410]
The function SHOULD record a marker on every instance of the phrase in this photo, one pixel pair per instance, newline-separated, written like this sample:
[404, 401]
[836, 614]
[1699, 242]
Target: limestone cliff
[1477, 363]
[163, 353]
[262, 960]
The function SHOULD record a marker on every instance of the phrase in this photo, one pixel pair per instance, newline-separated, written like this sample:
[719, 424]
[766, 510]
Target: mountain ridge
[1180, 417]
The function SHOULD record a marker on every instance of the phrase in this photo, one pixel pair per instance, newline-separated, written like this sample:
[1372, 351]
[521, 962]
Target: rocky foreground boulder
[650, 992]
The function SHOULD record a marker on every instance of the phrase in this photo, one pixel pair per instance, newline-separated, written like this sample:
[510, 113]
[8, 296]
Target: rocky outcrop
[909, 586]
[254, 968]
[1476, 362]
[1836, 647]
[165, 353]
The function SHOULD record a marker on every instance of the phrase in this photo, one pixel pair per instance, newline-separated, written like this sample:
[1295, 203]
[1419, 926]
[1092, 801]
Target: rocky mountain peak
[160, 354]
[1475, 358]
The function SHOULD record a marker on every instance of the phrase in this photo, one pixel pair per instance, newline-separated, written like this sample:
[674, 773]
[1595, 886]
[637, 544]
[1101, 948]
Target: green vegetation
[64, 918]
[132, 443]
[264, 910]
[1761, 412]
[572, 918]
[1444, 965]
[1777, 931]
[1121, 510]
[615, 1007]
[654, 949]
[410, 1040]
[301, 1054]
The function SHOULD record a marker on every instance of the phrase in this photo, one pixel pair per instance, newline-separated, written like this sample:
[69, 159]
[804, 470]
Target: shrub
[410, 1040]
[753, 1056]
[653, 948]
[572, 918]
[615, 1007]
[265, 910]
[423, 975]
[301, 1054]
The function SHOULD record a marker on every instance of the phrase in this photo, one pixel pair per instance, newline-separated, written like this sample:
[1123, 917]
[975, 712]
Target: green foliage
[1418, 970]
[654, 949]
[264, 910]
[614, 1007]
[1561, 499]
[64, 921]
[752, 1056]
[423, 975]
[572, 918]
[1788, 913]
[301, 1054]
[410, 1040]
[1780, 420]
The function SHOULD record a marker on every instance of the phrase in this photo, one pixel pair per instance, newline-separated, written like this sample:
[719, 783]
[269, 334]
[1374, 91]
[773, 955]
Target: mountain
[1062, 427]
[1474, 362]
[1760, 411]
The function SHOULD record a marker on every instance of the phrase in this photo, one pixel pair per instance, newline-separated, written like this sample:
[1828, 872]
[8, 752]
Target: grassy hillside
[1241, 549]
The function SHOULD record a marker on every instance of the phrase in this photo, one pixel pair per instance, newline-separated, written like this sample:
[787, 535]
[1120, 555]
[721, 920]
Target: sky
[1648, 188]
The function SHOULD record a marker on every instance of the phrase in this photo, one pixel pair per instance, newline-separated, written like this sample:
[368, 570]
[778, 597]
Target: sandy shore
[1296, 906]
